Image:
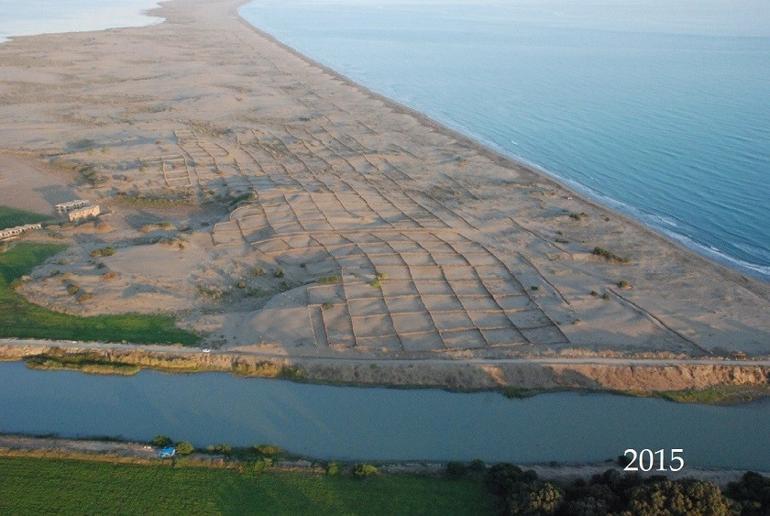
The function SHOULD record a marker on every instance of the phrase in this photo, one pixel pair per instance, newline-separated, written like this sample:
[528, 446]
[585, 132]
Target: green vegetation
[10, 217]
[38, 486]
[609, 255]
[718, 395]
[86, 362]
[329, 280]
[20, 318]
[185, 448]
[578, 216]
[365, 470]
[378, 279]
[165, 199]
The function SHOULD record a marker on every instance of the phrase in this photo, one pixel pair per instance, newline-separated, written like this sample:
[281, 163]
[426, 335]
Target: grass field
[10, 217]
[19, 318]
[29, 485]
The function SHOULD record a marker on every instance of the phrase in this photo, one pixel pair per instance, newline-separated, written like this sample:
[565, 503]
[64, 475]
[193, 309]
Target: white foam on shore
[31, 17]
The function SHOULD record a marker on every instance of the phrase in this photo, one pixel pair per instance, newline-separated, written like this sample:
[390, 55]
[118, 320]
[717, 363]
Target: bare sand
[283, 211]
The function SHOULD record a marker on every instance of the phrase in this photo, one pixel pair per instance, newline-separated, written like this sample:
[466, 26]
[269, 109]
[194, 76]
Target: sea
[29, 17]
[657, 108]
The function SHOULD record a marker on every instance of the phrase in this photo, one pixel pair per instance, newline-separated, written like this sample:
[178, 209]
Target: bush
[333, 469]
[185, 448]
[103, 251]
[262, 464]
[501, 479]
[364, 470]
[161, 441]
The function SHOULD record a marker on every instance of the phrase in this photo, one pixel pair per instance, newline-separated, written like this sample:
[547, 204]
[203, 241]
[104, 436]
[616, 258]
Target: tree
[185, 448]
[456, 469]
[751, 494]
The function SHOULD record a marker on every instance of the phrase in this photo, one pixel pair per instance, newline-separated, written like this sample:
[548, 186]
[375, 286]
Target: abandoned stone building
[83, 213]
[66, 207]
[16, 231]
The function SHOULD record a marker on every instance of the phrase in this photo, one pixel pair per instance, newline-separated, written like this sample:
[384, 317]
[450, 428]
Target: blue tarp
[167, 452]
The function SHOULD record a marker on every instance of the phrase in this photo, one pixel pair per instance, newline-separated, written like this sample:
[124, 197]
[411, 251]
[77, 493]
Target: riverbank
[308, 228]
[681, 380]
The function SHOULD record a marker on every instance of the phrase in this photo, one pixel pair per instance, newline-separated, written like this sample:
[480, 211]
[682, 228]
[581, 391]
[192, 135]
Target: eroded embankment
[691, 382]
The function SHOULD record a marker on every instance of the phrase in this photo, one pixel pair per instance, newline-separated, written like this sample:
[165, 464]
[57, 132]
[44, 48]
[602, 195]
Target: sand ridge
[282, 209]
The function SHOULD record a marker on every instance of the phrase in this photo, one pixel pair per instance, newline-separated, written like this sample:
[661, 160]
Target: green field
[37, 486]
[10, 217]
[20, 318]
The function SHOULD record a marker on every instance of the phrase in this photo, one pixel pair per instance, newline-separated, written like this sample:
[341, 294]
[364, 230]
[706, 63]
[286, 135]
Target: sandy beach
[284, 212]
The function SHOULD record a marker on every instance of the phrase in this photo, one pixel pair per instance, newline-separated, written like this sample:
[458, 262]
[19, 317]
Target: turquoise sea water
[659, 108]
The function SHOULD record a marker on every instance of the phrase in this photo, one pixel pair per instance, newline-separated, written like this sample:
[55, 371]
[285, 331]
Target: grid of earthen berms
[402, 270]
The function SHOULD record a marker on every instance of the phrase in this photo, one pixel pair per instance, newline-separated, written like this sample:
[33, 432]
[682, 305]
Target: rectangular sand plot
[414, 322]
[361, 291]
[318, 295]
[471, 339]
[449, 259]
[388, 259]
[468, 288]
[373, 326]
[481, 259]
[427, 272]
[514, 302]
[339, 330]
[429, 288]
[452, 321]
[493, 272]
[398, 288]
[461, 272]
[405, 246]
[371, 306]
[396, 272]
[528, 319]
[417, 259]
[442, 303]
[422, 342]
[546, 335]
[405, 304]
[502, 287]
[503, 337]
[479, 303]
[382, 343]
[489, 319]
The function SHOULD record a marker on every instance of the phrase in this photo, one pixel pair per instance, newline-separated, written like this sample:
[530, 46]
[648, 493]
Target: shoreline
[116, 450]
[726, 265]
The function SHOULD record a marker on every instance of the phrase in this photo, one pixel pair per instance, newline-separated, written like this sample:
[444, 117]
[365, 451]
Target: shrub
[161, 441]
[103, 251]
[72, 289]
[278, 273]
[364, 470]
[333, 469]
[608, 255]
[185, 448]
